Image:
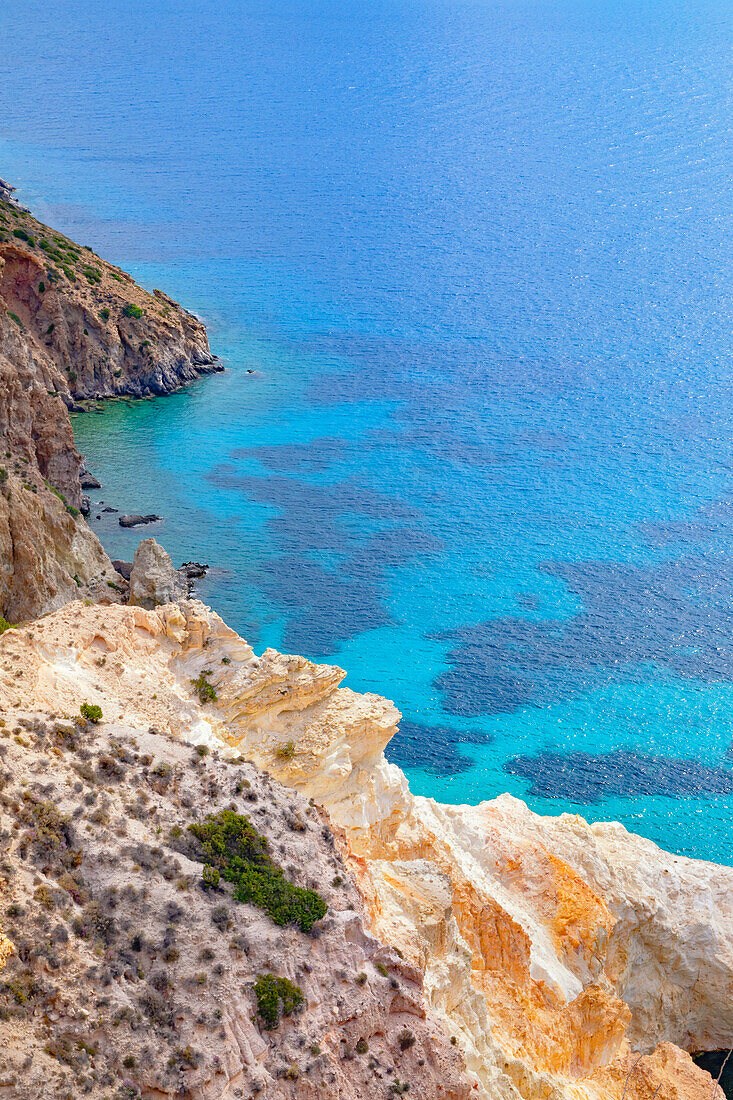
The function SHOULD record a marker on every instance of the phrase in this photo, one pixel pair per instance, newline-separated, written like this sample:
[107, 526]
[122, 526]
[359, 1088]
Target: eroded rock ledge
[72, 327]
[554, 951]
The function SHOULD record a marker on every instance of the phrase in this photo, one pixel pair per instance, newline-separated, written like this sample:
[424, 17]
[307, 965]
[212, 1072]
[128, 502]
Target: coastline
[526, 935]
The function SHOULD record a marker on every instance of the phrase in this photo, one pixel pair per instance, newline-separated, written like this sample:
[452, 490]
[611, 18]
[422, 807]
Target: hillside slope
[134, 975]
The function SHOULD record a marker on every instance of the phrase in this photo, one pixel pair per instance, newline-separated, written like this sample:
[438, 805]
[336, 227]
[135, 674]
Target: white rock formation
[154, 580]
[554, 950]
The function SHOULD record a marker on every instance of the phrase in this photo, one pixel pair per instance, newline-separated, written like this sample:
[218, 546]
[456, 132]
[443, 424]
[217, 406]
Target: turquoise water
[476, 258]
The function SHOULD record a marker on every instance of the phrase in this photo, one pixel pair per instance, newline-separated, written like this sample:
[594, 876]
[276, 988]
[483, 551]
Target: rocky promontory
[564, 961]
[72, 327]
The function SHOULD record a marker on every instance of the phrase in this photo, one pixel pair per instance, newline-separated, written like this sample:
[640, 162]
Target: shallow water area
[467, 267]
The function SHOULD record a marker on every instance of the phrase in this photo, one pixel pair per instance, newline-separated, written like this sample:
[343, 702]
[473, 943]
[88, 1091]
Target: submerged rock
[154, 580]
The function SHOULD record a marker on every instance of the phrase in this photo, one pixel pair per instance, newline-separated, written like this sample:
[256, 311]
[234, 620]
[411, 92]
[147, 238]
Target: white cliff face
[551, 948]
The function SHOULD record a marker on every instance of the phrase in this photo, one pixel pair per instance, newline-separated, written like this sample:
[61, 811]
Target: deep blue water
[478, 259]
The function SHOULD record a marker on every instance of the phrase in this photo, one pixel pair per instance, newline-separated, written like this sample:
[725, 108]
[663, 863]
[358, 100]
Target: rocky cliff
[567, 961]
[72, 327]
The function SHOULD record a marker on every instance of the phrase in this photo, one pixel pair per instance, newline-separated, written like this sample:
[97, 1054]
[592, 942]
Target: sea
[468, 266]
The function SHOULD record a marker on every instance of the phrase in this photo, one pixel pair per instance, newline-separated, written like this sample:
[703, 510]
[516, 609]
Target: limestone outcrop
[72, 327]
[154, 580]
[555, 952]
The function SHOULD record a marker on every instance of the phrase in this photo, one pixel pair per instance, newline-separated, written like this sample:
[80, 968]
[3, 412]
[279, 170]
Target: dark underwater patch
[369, 530]
[323, 608]
[713, 520]
[435, 748]
[677, 616]
[317, 455]
[589, 777]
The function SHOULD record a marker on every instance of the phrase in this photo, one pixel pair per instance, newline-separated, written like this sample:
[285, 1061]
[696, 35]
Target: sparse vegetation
[91, 712]
[205, 691]
[406, 1039]
[210, 877]
[130, 309]
[285, 751]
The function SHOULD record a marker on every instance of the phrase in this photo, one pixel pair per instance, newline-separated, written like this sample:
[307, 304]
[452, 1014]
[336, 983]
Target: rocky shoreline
[468, 951]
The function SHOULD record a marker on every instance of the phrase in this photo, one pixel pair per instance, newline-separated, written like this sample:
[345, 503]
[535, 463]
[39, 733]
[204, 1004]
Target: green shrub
[205, 691]
[285, 751]
[276, 997]
[131, 310]
[3, 475]
[233, 846]
[91, 712]
[5, 625]
[104, 314]
[57, 493]
[41, 287]
[210, 877]
[16, 318]
[21, 234]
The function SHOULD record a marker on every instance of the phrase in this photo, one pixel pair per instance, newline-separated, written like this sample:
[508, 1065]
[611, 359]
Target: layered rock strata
[569, 961]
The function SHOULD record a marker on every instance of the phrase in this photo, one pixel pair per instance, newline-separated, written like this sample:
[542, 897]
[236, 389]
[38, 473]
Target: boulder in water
[137, 521]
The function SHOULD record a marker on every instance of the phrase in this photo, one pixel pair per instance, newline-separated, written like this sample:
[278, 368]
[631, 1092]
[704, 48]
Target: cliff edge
[568, 961]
